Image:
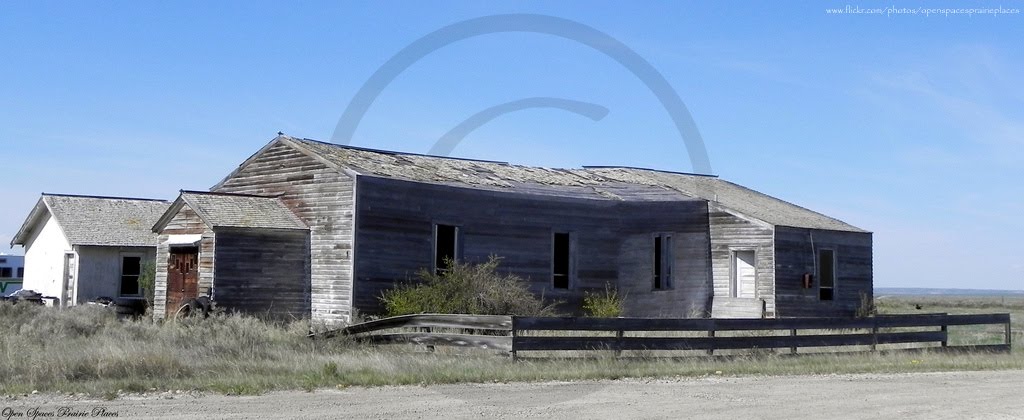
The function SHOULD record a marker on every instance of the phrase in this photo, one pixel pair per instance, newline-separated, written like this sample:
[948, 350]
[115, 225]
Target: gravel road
[947, 395]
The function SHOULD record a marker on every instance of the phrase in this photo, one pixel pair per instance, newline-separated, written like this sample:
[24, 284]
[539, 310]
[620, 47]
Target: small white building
[12, 269]
[78, 248]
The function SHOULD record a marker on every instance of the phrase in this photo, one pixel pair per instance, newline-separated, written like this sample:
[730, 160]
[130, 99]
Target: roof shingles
[242, 211]
[106, 221]
[605, 183]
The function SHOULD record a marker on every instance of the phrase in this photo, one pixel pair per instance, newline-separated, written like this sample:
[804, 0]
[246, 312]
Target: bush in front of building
[465, 288]
[605, 304]
[147, 281]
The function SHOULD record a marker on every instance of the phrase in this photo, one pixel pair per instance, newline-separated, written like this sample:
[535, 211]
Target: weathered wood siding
[185, 222]
[731, 232]
[99, 270]
[689, 293]
[323, 197]
[395, 239]
[263, 272]
[795, 250]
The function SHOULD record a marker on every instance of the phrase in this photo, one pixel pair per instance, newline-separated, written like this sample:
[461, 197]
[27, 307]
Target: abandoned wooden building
[79, 248]
[255, 248]
[315, 229]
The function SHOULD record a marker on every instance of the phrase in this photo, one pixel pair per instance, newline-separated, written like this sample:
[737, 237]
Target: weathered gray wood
[730, 307]
[795, 254]
[711, 334]
[323, 197]
[938, 320]
[263, 272]
[1009, 334]
[186, 221]
[612, 241]
[704, 324]
[612, 324]
[690, 324]
[476, 322]
[437, 339]
[793, 348]
[619, 341]
[524, 325]
[532, 343]
[971, 319]
[730, 231]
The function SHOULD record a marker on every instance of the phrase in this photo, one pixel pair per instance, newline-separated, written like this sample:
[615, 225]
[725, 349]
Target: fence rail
[517, 334]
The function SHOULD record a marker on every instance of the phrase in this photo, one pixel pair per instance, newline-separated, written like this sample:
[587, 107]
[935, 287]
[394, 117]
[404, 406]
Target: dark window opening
[5, 272]
[446, 247]
[662, 262]
[131, 267]
[21, 272]
[826, 274]
[560, 261]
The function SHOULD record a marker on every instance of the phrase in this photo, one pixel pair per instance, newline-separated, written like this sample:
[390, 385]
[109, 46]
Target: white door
[744, 274]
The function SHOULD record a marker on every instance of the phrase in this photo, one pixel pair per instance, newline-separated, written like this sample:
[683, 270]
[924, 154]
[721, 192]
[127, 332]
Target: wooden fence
[523, 334]
[480, 331]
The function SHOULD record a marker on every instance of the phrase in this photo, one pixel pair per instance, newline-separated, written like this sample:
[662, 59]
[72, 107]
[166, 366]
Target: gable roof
[233, 210]
[605, 183]
[731, 196]
[481, 174]
[93, 220]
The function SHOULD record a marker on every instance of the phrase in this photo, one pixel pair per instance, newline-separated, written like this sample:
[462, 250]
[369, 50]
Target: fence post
[945, 334]
[1009, 336]
[792, 349]
[618, 343]
[427, 330]
[874, 334]
[512, 333]
[711, 334]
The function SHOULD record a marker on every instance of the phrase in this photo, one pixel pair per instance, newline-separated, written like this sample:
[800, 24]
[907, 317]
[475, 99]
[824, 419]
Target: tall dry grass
[88, 350]
[969, 334]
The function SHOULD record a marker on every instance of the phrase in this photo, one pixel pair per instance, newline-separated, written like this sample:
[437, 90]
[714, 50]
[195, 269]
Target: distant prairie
[924, 291]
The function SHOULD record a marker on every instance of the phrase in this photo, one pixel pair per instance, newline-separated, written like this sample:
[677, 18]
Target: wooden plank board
[525, 338]
[452, 340]
[938, 320]
[686, 324]
[527, 343]
[971, 319]
[612, 241]
[477, 322]
[738, 324]
[323, 197]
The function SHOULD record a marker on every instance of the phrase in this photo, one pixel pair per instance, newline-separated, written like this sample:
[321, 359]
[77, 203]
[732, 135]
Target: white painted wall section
[44, 259]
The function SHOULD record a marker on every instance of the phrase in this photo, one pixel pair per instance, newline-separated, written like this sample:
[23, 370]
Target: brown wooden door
[182, 278]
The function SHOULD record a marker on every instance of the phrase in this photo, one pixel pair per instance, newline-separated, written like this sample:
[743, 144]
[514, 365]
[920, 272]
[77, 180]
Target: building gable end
[34, 219]
[282, 140]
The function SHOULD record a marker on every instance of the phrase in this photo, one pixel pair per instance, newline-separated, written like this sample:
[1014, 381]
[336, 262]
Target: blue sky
[910, 126]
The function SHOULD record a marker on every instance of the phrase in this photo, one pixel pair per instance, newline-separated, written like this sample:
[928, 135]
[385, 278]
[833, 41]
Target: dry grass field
[1014, 305]
[87, 350]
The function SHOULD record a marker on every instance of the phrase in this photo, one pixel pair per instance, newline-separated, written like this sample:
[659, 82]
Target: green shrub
[147, 281]
[606, 304]
[465, 288]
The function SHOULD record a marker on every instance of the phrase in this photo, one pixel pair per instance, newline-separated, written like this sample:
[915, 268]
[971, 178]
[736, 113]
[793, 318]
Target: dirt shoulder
[945, 395]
